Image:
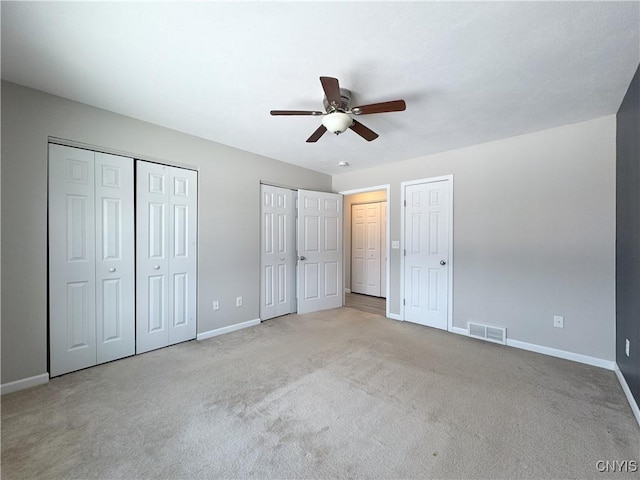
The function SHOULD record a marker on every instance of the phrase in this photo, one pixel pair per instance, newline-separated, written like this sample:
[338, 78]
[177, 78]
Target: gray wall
[628, 236]
[534, 233]
[229, 206]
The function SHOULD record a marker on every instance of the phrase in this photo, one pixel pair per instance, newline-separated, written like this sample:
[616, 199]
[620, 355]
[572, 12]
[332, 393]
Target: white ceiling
[470, 72]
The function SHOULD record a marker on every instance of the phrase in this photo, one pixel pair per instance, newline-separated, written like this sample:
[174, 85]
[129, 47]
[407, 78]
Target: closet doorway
[366, 249]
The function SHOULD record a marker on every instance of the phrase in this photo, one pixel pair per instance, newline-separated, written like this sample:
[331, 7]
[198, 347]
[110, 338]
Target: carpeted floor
[336, 394]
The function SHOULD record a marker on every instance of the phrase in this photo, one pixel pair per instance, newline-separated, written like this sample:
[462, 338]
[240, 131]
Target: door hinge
[405, 252]
[404, 301]
[405, 203]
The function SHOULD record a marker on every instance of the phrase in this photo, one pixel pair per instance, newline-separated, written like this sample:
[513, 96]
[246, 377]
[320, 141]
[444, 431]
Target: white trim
[366, 189]
[403, 186]
[229, 329]
[627, 391]
[386, 188]
[394, 316]
[347, 290]
[24, 383]
[553, 352]
[121, 153]
[460, 331]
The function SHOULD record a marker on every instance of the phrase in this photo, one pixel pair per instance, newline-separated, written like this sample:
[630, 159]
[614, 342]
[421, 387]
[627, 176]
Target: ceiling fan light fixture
[337, 122]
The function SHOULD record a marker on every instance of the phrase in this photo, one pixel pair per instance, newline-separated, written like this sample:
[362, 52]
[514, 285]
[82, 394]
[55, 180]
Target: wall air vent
[487, 332]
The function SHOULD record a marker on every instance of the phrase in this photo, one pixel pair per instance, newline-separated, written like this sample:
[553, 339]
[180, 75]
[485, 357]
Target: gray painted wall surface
[628, 236]
[534, 233]
[229, 213]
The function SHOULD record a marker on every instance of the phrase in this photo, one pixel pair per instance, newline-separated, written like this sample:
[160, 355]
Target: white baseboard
[229, 329]
[347, 290]
[394, 316]
[460, 331]
[627, 391]
[553, 352]
[24, 383]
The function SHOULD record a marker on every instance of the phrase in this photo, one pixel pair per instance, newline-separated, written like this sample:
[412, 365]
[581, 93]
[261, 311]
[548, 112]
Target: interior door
[183, 204]
[372, 284]
[358, 249]
[152, 256]
[115, 297]
[368, 249]
[278, 252]
[426, 268]
[319, 251]
[72, 267]
[166, 251]
[383, 249]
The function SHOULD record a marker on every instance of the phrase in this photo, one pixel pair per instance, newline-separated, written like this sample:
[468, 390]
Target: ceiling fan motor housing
[345, 102]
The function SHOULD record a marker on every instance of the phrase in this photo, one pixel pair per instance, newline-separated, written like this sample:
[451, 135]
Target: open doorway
[366, 249]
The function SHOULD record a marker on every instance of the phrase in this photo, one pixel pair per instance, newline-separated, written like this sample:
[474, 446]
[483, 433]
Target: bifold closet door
[91, 248]
[166, 248]
[368, 248]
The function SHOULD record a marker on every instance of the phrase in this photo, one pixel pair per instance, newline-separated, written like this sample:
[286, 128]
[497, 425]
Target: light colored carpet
[336, 394]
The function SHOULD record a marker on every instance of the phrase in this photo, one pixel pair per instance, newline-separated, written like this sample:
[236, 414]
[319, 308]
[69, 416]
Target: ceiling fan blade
[331, 89]
[363, 131]
[315, 136]
[383, 107]
[295, 112]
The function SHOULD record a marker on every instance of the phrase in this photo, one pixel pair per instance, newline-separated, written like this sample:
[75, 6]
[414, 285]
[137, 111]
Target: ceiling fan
[338, 115]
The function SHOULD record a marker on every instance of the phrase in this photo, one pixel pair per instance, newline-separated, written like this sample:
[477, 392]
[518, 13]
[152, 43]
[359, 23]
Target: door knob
[442, 262]
[156, 267]
[112, 269]
[303, 258]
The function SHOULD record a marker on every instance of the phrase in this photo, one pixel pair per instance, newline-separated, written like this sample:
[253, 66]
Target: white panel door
[358, 249]
[72, 269]
[183, 204]
[372, 283]
[319, 251]
[368, 250]
[166, 255]
[152, 256]
[278, 252]
[115, 290]
[426, 260]
[383, 249]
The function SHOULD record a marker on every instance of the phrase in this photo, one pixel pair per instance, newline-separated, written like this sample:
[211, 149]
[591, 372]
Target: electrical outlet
[238, 301]
[216, 305]
[558, 321]
[626, 347]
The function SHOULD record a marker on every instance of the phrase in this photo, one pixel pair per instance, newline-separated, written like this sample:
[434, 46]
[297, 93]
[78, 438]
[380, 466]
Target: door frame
[387, 189]
[403, 185]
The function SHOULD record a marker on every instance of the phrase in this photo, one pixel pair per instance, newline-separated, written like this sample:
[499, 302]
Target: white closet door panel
[152, 256]
[372, 279]
[72, 287]
[183, 204]
[383, 249]
[358, 249]
[115, 296]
